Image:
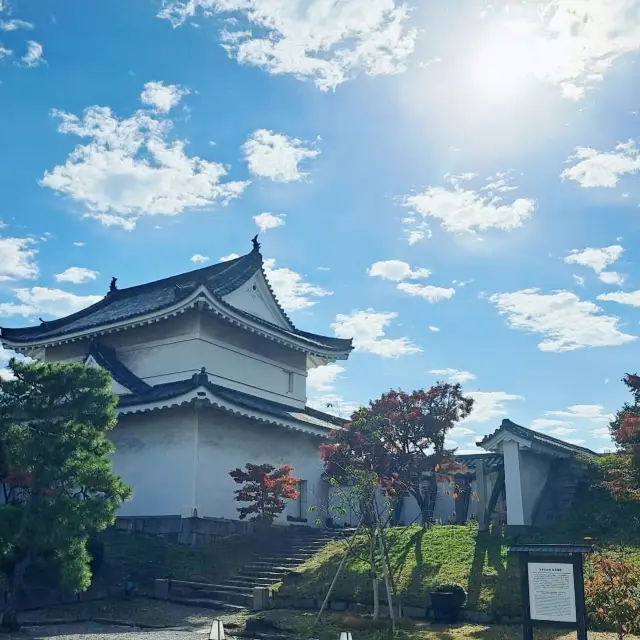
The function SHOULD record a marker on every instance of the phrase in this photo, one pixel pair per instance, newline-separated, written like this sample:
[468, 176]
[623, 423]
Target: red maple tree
[265, 488]
[401, 438]
[622, 469]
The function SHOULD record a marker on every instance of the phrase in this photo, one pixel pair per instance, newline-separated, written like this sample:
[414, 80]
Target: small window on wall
[290, 381]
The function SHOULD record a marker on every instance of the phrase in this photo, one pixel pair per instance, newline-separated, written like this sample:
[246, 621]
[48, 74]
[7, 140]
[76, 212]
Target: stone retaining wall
[40, 598]
[480, 617]
[191, 531]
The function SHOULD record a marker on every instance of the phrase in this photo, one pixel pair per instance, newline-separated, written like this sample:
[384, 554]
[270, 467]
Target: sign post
[552, 587]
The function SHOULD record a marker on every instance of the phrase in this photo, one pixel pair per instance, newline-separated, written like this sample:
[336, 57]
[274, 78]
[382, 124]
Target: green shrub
[455, 588]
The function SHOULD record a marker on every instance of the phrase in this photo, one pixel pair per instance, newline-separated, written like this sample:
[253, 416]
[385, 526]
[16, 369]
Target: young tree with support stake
[387, 449]
[56, 484]
[401, 437]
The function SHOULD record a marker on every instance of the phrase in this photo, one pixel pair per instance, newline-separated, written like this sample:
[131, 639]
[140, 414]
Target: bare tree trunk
[10, 616]
[423, 503]
[374, 577]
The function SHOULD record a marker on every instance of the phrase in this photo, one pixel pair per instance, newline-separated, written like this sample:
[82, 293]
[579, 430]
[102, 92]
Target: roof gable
[257, 298]
[510, 430]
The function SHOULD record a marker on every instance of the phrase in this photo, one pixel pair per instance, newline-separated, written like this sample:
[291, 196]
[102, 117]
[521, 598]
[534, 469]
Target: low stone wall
[41, 598]
[420, 613]
[191, 531]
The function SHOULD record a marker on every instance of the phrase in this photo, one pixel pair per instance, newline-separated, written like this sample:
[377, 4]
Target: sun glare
[503, 63]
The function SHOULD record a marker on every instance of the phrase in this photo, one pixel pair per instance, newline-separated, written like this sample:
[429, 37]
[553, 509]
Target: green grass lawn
[420, 559]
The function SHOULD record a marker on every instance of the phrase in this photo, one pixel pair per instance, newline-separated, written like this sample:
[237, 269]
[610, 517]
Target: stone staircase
[558, 494]
[296, 546]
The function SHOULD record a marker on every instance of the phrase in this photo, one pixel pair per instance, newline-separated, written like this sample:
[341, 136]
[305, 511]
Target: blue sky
[456, 187]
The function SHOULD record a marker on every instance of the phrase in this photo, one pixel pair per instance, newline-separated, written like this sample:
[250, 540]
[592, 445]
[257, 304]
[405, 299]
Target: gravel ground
[92, 631]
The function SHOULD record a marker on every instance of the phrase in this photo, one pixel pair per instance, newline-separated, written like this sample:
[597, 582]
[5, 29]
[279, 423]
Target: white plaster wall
[176, 348]
[534, 471]
[155, 455]
[226, 443]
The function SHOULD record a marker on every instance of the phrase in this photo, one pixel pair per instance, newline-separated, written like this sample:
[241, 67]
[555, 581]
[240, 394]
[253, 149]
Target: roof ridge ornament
[112, 285]
[202, 377]
[256, 244]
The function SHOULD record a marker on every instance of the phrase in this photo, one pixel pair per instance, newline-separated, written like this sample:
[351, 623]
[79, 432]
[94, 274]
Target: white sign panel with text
[552, 594]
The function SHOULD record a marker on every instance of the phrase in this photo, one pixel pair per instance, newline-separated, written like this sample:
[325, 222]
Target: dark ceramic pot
[445, 606]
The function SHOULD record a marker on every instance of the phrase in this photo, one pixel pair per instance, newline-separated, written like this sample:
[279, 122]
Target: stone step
[287, 558]
[206, 588]
[219, 594]
[206, 603]
[271, 566]
[249, 583]
[262, 573]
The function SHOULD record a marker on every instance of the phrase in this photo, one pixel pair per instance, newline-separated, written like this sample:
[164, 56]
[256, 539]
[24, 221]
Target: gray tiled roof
[536, 436]
[126, 304]
[469, 460]
[106, 357]
[169, 390]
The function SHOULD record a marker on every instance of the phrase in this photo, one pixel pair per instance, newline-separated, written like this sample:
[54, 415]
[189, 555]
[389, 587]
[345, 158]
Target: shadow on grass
[493, 577]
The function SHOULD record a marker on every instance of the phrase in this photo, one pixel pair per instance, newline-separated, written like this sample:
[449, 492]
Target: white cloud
[290, 288]
[163, 97]
[324, 378]
[199, 258]
[33, 57]
[579, 280]
[612, 277]
[265, 221]
[276, 156]
[603, 168]
[328, 43]
[454, 375]
[79, 244]
[596, 259]
[231, 256]
[76, 275]
[4, 52]
[461, 209]
[594, 412]
[540, 424]
[631, 298]
[130, 169]
[460, 432]
[432, 328]
[601, 432]
[566, 322]
[17, 259]
[321, 381]
[563, 422]
[561, 432]
[14, 25]
[582, 40]
[49, 302]
[489, 405]
[368, 328]
[428, 292]
[334, 404]
[5, 356]
[396, 270]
